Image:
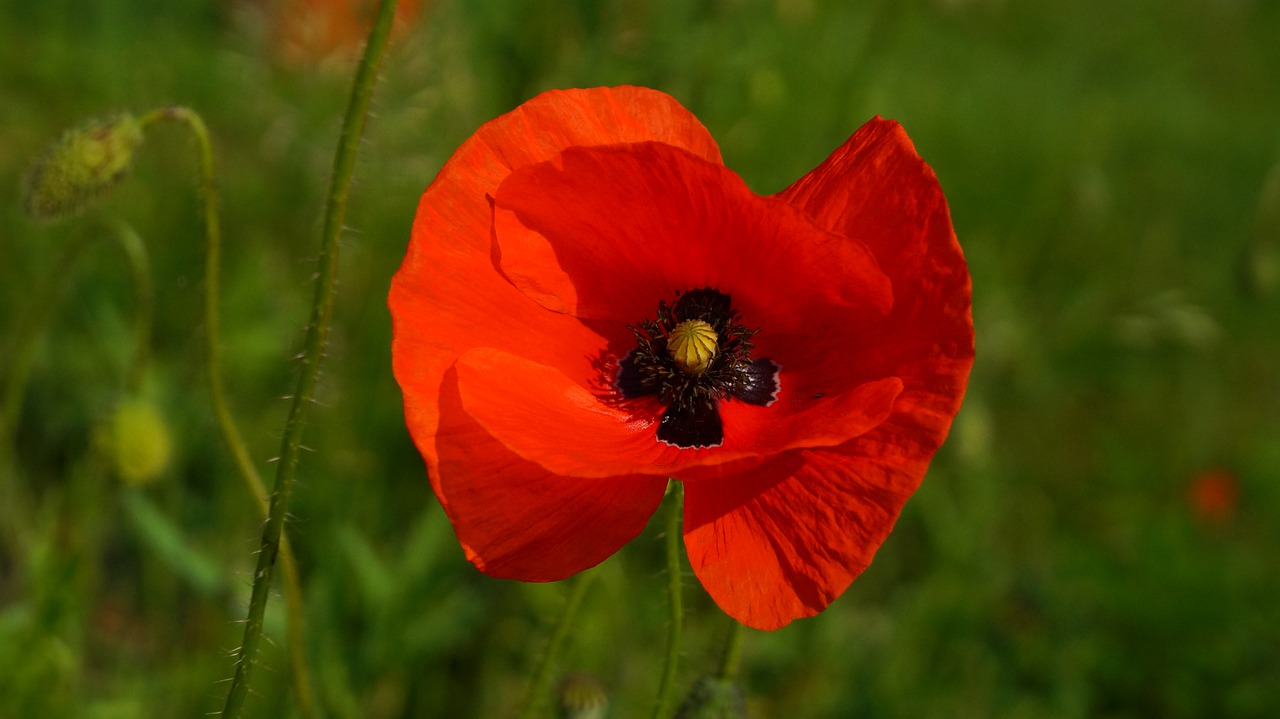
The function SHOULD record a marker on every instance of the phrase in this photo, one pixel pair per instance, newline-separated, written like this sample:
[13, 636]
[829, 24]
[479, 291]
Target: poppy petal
[782, 541]
[544, 416]
[649, 220]
[447, 297]
[515, 520]
[876, 188]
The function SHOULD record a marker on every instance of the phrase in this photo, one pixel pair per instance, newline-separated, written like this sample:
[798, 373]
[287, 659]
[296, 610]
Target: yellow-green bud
[137, 441]
[692, 345]
[582, 696]
[79, 167]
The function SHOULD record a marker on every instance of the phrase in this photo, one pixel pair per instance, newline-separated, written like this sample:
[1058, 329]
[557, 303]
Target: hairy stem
[317, 337]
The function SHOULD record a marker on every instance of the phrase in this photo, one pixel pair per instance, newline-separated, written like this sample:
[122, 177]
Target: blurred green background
[1098, 538]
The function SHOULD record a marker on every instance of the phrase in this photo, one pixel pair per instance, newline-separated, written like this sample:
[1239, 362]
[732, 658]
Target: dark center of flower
[695, 355]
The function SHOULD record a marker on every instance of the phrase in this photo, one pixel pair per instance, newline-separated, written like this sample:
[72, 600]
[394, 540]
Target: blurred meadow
[1098, 538]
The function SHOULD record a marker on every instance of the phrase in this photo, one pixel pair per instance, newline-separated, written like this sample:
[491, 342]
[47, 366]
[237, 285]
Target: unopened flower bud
[136, 439]
[713, 698]
[79, 167]
[582, 696]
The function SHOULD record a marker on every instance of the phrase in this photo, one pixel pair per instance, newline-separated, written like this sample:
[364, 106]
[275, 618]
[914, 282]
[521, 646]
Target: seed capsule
[692, 345]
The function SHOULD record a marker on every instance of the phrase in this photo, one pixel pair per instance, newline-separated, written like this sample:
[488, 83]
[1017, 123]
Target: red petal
[516, 520]
[607, 232]
[546, 417]
[447, 296]
[782, 541]
[876, 188]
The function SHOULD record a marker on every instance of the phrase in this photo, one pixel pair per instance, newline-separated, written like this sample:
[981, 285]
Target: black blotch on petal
[630, 382]
[761, 387]
[693, 428]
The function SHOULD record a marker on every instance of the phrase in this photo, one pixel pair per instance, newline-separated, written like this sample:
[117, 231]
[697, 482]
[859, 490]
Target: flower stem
[231, 436]
[732, 656]
[540, 686]
[317, 337]
[144, 311]
[675, 602]
[15, 501]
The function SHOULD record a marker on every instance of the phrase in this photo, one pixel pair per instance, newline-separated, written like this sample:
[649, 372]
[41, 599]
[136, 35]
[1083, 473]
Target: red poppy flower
[591, 303]
[1214, 495]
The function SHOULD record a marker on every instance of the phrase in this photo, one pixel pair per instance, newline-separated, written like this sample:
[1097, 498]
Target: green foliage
[1107, 167]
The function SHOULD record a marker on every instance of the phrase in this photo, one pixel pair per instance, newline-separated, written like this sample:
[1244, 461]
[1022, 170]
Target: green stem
[16, 503]
[144, 311]
[732, 655]
[675, 505]
[317, 336]
[221, 408]
[540, 685]
[30, 323]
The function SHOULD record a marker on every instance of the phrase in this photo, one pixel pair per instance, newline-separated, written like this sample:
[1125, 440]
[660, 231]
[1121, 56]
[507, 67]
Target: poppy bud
[714, 698]
[137, 442]
[582, 696]
[692, 345]
[79, 167]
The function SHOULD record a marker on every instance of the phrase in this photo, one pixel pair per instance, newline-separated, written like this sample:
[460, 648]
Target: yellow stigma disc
[692, 345]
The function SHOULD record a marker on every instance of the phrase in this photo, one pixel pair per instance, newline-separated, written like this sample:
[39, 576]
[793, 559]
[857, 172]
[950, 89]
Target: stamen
[695, 355]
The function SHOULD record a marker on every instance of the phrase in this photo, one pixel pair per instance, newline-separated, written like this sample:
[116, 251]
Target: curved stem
[675, 601]
[317, 337]
[221, 409]
[540, 684]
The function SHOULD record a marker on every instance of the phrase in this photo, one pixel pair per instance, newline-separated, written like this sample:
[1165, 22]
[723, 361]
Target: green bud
[582, 696]
[136, 440]
[80, 167]
[713, 698]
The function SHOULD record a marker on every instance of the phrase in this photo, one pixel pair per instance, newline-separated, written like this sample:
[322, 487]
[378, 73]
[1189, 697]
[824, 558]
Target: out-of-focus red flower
[591, 303]
[1213, 495]
[307, 31]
